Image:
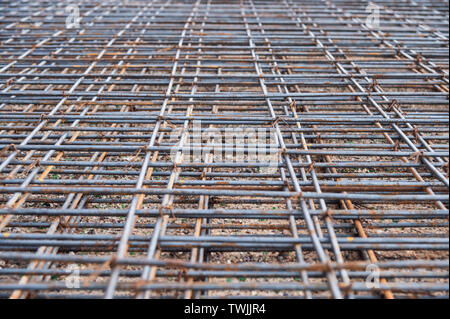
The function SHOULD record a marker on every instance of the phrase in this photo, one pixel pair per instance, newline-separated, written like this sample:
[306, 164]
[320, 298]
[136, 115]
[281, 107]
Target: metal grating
[94, 203]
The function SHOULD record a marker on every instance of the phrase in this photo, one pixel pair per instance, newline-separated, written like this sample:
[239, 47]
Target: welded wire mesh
[99, 198]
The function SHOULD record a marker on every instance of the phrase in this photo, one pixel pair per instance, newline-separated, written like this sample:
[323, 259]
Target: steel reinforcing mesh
[99, 198]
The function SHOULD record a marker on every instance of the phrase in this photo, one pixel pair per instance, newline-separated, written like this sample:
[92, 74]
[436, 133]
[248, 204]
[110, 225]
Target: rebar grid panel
[95, 203]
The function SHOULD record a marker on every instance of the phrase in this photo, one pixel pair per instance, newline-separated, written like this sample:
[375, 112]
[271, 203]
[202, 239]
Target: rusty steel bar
[208, 149]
